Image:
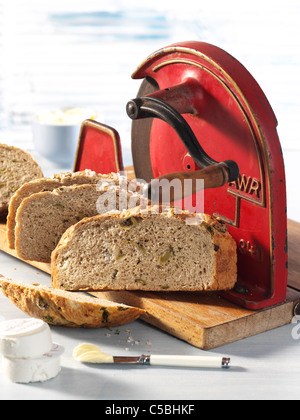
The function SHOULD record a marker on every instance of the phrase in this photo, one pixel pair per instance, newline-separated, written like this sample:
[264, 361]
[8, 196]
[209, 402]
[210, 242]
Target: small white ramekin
[56, 134]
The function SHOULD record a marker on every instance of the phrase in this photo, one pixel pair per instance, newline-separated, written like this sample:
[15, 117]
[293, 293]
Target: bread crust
[225, 274]
[68, 309]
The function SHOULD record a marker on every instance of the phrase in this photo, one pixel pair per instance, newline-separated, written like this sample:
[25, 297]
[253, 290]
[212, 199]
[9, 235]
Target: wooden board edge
[207, 338]
[257, 323]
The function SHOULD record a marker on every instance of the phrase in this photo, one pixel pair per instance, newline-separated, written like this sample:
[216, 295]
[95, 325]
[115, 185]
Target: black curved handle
[148, 107]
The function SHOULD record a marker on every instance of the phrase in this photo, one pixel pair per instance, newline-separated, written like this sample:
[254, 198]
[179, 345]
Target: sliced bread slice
[16, 168]
[43, 217]
[49, 184]
[145, 249]
[68, 309]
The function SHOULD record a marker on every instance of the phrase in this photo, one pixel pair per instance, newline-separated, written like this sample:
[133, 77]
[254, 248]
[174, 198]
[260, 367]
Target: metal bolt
[240, 289]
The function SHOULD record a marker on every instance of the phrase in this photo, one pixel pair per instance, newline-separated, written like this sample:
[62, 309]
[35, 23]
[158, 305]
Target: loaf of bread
[43, 217]
[49, 184]
[16, 168]
[146, 249]
[68, 309]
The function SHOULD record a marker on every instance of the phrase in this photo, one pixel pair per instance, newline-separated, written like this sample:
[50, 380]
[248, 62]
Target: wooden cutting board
[206, 320]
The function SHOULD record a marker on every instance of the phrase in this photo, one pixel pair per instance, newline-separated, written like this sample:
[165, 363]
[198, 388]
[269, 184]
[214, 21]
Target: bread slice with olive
[67, 309]
[43, 217]
[63, 179]
[146, 249]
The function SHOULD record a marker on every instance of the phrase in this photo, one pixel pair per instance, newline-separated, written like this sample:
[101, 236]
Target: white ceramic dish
[56, 134]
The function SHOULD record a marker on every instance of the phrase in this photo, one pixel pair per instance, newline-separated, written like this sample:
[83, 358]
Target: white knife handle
[190, 361]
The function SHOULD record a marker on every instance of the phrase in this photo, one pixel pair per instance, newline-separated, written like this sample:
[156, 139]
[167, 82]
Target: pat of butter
[70, 116]
[89, 353]
[24, 338]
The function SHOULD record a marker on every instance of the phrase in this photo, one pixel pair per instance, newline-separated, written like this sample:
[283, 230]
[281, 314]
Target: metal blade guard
[198, 107]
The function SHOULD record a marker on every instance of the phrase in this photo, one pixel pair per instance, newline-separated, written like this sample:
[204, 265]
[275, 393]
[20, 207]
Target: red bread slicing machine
[200, 114]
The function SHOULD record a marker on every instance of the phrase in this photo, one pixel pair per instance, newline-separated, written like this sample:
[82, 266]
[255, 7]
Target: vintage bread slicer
[200, 114]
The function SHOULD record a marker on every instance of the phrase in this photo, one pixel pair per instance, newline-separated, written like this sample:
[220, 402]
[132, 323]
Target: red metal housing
[232, 119]
[98, 149]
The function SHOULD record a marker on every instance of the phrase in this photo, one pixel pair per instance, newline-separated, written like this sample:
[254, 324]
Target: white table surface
[266, 366]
